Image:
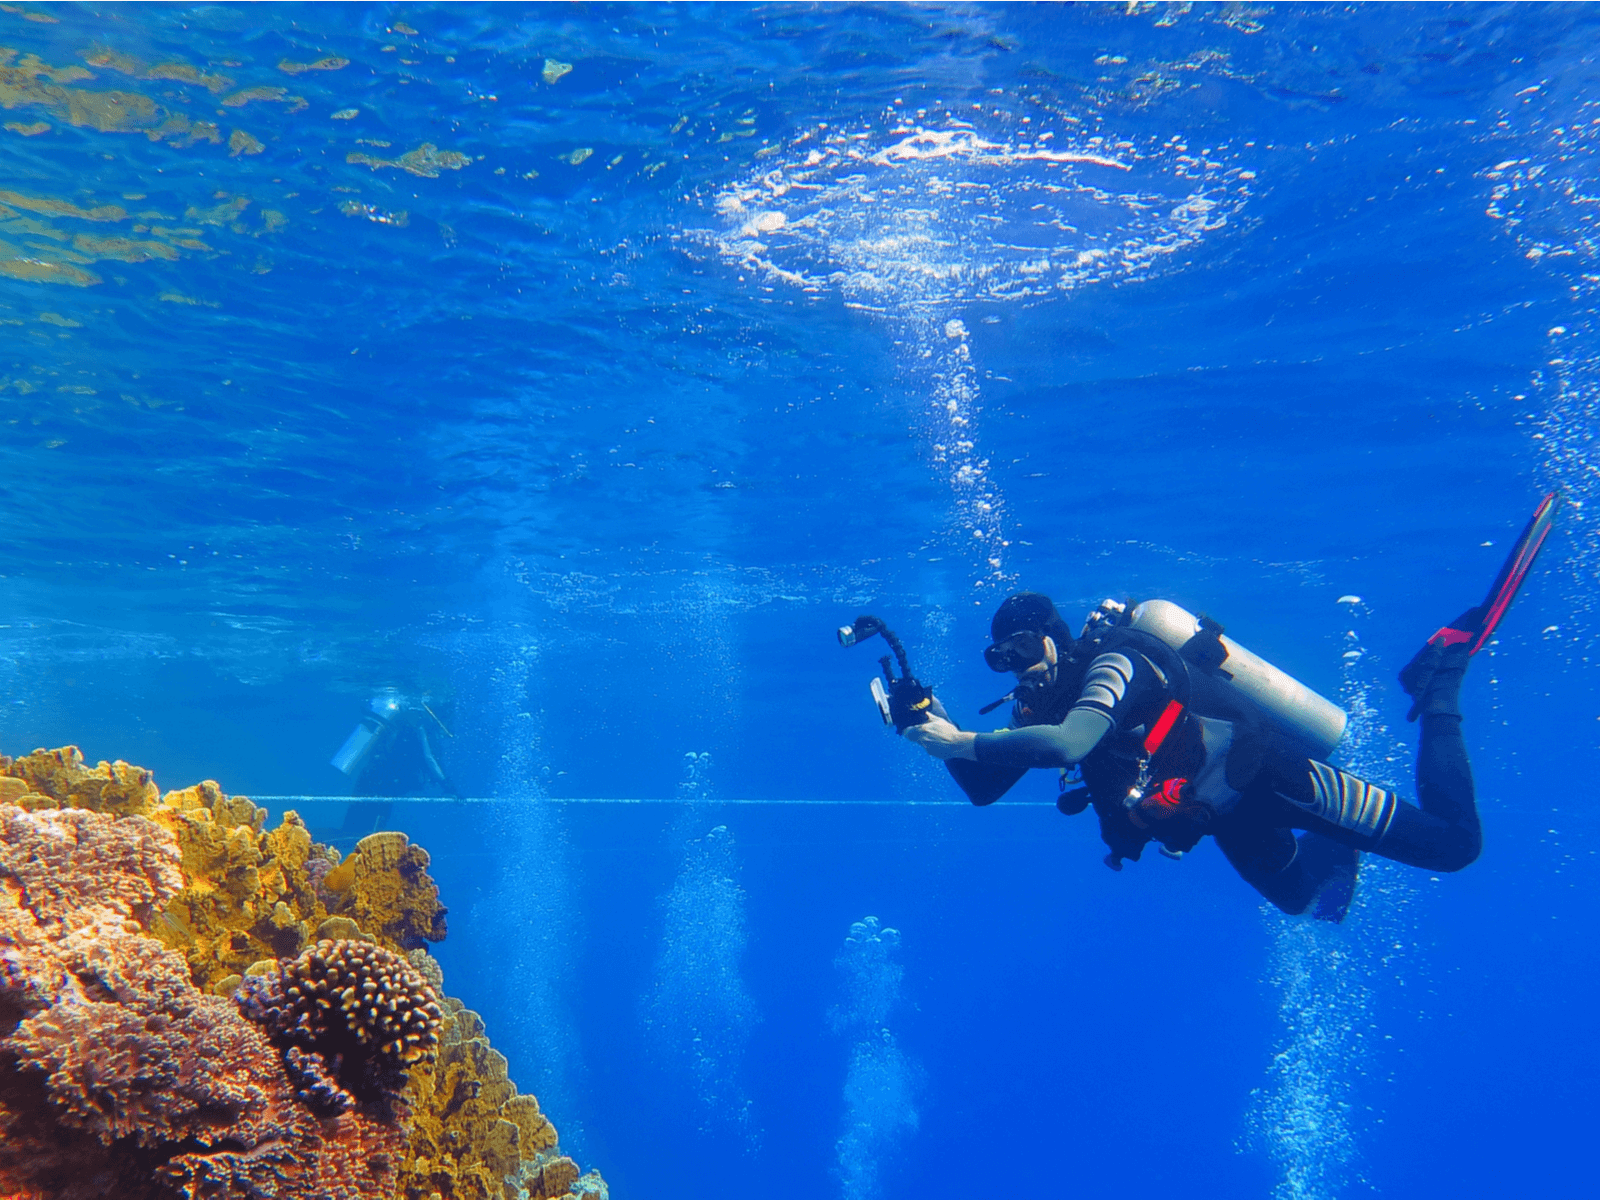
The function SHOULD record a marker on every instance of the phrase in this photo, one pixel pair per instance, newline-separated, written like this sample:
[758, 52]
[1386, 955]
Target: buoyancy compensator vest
[1187, 762]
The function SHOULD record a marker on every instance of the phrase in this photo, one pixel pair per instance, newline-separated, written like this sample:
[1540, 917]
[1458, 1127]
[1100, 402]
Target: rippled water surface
[583, 367]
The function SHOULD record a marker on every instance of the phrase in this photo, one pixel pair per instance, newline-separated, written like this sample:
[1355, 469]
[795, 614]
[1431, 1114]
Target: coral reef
[119, 1076]
[58, 779]
[473, 1130]
[250, 894]
[385, 889]
[129, 921]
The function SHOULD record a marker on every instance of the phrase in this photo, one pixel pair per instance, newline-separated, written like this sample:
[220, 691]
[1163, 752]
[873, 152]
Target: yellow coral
[390, 893]
[61, 775]
[473, 1137]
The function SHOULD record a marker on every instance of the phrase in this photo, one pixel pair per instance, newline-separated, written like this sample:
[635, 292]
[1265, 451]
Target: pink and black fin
[1476, 626]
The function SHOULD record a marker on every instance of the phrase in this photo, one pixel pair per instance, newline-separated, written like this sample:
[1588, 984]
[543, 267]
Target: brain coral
[127, 917]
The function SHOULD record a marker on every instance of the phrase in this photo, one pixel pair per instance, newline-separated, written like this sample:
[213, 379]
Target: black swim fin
[1332, 867]
[1474, 627]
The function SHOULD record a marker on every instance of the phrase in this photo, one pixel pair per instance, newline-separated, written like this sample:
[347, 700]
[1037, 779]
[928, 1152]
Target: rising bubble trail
[699, 1014]
[1327, 978]
[880, 1082]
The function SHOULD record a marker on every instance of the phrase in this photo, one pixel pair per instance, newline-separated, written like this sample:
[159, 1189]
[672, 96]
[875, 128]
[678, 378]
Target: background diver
[390, 753]
[1178, 736]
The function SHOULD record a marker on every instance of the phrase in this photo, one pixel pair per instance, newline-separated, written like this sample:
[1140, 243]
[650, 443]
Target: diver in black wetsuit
[389, 753]
[1169, 754]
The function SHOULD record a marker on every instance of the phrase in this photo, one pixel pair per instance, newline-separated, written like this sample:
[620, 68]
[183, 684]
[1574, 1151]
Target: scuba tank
[1287, 702]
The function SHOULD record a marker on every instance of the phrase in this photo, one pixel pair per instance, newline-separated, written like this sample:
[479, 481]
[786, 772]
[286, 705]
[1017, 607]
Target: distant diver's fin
[1477, 625]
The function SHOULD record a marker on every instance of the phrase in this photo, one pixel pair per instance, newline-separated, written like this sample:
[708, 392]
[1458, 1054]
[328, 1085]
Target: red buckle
[1168, 796]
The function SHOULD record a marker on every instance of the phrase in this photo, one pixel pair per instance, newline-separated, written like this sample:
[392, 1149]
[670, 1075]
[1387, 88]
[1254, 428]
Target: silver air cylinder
[1290, 703]
[352, 756]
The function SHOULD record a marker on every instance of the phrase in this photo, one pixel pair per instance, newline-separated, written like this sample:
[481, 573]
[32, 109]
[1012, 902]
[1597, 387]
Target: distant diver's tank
[1288, 702]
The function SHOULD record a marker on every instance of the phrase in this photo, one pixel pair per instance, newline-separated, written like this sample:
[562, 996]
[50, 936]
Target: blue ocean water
[582, 367]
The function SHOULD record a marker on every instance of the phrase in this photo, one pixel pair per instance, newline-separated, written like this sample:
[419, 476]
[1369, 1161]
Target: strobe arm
[905, 702]
[864, 627]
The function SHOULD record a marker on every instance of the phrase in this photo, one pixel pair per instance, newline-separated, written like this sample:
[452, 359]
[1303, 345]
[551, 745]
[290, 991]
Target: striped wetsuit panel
[1348, 802]
[1105, 684]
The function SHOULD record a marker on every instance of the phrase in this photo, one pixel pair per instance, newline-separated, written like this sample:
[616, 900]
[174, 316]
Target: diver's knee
[1283, 886]
[1460, 852]
[1446, 853]
[1467, 853]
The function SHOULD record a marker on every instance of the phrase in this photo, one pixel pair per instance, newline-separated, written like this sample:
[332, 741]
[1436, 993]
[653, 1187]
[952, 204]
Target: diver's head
[388, 703]
[1029, 636]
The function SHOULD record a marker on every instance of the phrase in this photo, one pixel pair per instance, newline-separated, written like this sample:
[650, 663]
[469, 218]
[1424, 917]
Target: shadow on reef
[194, 1006]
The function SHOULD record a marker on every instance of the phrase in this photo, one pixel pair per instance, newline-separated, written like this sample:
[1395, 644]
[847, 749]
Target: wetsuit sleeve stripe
[1105, 684]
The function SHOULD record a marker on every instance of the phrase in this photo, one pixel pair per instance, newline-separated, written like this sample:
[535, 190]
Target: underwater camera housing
[902, 702]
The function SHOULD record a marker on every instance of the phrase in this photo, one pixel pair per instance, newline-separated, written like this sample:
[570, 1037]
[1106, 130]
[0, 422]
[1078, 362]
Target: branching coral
[128, 920]
[110, 1052]
[118, 1075]
[362, 1009]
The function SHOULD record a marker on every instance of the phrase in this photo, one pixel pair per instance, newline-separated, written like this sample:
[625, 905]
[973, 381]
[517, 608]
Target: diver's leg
[1313, 871]
[1268, 860]
[1332, 867]
[1444, 834]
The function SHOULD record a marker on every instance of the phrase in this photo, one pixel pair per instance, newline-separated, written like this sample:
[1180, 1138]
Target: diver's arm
[1114, 687]
[432, 763]
[1033, 746]
[983, 783]
[1043, 745]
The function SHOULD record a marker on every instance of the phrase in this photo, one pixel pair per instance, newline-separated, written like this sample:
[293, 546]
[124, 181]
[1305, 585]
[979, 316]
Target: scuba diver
[1174, 731]
[389, 754]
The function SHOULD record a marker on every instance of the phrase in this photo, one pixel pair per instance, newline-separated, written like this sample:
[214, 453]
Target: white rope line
[682, 803]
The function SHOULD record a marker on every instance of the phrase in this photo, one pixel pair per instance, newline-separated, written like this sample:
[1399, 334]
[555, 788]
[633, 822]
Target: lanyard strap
[1163, 726]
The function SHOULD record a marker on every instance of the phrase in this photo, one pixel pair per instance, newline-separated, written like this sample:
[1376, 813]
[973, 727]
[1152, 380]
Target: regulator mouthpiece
[847, 635]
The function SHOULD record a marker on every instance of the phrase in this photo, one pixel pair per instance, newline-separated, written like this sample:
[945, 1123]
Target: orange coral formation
[197, 872]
